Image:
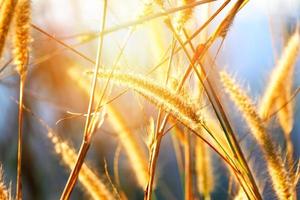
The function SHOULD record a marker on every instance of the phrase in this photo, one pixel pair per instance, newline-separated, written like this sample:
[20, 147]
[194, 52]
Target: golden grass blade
[7, 11]
[282, 72]
[276, 169]
[21, 55]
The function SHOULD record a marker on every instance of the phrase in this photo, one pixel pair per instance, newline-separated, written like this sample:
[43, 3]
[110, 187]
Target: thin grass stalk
[60, 42]
[199, 30]
[160, 129]
[130, 32]
[154, 149]
[20, 136]
[21, 55]
[153, 16]
[95, 118]
[87, 135]
[203, 164]
[138, 21]
[147, 8]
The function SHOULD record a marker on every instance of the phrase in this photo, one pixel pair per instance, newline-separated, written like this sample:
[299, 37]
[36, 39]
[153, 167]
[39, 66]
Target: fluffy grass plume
[204, 169]
[133, 150]
[89, 180]
[226, 23]
[22, 36]
[184, 15]
[180, 108]
[7, 12]
[4, 192]
[277, 83]
[279, 92]
[279, 175]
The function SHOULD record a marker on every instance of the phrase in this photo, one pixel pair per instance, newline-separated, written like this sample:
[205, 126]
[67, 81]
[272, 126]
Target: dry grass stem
[21, 56]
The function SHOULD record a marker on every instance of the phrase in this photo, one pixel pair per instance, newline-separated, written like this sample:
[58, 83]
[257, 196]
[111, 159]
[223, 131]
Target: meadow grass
[184, 88]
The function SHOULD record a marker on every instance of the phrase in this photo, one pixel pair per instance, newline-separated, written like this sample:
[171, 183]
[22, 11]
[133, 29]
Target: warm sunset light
[151, 99]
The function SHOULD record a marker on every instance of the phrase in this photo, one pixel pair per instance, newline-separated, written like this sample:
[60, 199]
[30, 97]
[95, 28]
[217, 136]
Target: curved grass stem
[87, 134]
